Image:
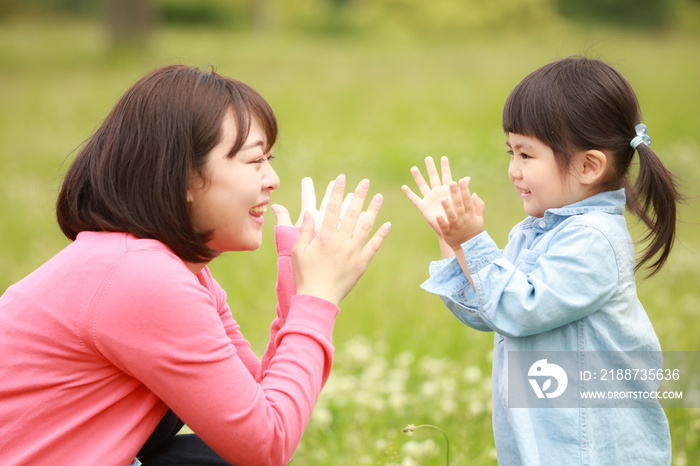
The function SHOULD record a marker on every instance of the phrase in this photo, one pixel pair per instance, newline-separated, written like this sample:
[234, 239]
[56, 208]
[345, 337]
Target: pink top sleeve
[167, 332]
[285, 237]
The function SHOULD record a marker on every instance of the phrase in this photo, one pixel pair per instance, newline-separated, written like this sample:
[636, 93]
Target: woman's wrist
[320, 293]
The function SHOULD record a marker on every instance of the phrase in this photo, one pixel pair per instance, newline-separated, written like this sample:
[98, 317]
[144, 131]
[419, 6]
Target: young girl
[124, 335]
[566, 279]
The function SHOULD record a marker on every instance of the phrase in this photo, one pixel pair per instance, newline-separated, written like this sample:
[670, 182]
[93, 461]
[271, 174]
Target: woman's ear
[592, 165]
[190, 189]
[195, 184]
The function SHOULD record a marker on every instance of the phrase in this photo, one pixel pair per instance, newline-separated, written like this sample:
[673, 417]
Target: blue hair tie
[641, 137]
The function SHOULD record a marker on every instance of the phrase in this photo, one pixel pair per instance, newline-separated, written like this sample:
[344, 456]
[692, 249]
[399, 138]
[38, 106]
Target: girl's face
[234, 192]
[536, 176]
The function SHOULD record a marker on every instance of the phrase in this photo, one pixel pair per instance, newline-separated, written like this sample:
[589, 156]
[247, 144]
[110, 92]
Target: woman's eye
[267, 158]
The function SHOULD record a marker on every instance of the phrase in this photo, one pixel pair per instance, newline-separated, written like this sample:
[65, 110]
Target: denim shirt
[564, 282]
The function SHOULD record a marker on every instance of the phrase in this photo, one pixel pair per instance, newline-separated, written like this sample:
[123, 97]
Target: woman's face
[234, 192]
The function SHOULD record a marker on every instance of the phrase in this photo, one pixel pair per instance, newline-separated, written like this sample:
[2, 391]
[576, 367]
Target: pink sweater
[97, 342]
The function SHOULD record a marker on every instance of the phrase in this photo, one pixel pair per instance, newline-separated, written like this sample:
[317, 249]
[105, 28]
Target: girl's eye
[524, 156]
[268, 158]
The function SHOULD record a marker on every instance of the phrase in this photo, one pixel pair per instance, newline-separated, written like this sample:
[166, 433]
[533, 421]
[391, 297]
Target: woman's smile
[258, 211]
[220, 202]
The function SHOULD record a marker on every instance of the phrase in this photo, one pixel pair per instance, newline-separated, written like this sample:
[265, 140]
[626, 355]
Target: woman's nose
[270, 178]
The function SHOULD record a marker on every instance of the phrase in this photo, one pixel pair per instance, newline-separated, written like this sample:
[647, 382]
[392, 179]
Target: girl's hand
[430, 206]
[464, 215]
[447, 206]
[330, 264]
[308, 203]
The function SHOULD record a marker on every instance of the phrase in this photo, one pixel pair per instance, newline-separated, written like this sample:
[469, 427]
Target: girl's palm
[430, 205]
[447, 206]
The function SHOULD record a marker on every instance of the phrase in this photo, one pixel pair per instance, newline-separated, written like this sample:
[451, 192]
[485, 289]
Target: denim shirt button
[541, 224]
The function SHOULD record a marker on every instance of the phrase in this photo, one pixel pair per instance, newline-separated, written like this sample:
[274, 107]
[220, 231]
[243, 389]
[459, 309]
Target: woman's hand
[308, 204]
[447, 206]
[329, 264]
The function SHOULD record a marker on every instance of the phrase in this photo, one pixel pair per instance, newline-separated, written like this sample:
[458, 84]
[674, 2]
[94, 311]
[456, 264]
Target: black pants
[164, 448]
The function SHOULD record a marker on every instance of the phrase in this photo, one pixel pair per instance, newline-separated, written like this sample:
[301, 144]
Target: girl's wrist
[457, 247]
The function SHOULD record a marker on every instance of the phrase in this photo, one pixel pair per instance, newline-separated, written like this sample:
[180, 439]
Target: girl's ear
[592, 166]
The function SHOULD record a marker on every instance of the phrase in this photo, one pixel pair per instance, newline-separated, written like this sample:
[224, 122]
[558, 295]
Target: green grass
[367, 108]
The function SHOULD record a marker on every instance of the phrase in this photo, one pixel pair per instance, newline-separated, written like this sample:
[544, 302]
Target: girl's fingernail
[378, 198]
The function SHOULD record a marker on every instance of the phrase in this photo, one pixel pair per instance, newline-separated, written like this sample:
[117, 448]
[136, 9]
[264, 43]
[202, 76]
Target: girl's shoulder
[541, 234]
[608, 224]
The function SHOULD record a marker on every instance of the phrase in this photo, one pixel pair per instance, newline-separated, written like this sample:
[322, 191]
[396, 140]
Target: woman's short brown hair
[131, 176]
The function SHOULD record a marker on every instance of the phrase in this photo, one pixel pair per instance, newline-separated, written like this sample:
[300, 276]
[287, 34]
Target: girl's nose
[513, 169]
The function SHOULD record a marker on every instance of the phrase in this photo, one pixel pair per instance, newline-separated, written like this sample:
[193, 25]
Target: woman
[124, 335]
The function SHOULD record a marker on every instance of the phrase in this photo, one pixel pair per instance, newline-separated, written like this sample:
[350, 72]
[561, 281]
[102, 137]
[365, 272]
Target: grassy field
[367, 108]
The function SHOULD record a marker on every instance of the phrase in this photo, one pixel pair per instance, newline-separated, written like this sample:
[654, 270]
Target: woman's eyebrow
[253, 144]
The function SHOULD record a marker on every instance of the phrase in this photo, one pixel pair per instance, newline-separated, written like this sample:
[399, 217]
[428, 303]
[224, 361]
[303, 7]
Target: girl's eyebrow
[520, 145]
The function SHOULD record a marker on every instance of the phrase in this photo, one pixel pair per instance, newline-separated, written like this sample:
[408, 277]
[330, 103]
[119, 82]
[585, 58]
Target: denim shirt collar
[612, 202]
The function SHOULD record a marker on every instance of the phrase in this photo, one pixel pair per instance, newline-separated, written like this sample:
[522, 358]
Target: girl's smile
[537, 177]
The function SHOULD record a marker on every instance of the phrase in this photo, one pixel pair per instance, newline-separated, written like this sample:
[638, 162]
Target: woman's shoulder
[107, 244]
[145, 274]
[123, 258]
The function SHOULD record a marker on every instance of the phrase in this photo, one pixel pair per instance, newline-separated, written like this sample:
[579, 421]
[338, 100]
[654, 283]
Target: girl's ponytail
[653, 200]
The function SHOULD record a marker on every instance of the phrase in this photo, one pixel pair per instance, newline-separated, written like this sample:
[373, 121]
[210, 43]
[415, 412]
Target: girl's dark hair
[132, 174]
[579, 104]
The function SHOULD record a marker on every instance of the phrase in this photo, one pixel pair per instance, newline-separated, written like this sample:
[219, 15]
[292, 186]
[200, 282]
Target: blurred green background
[367, 88]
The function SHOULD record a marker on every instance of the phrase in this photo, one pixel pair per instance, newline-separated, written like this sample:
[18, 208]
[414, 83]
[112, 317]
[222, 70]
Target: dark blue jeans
[164, 448]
